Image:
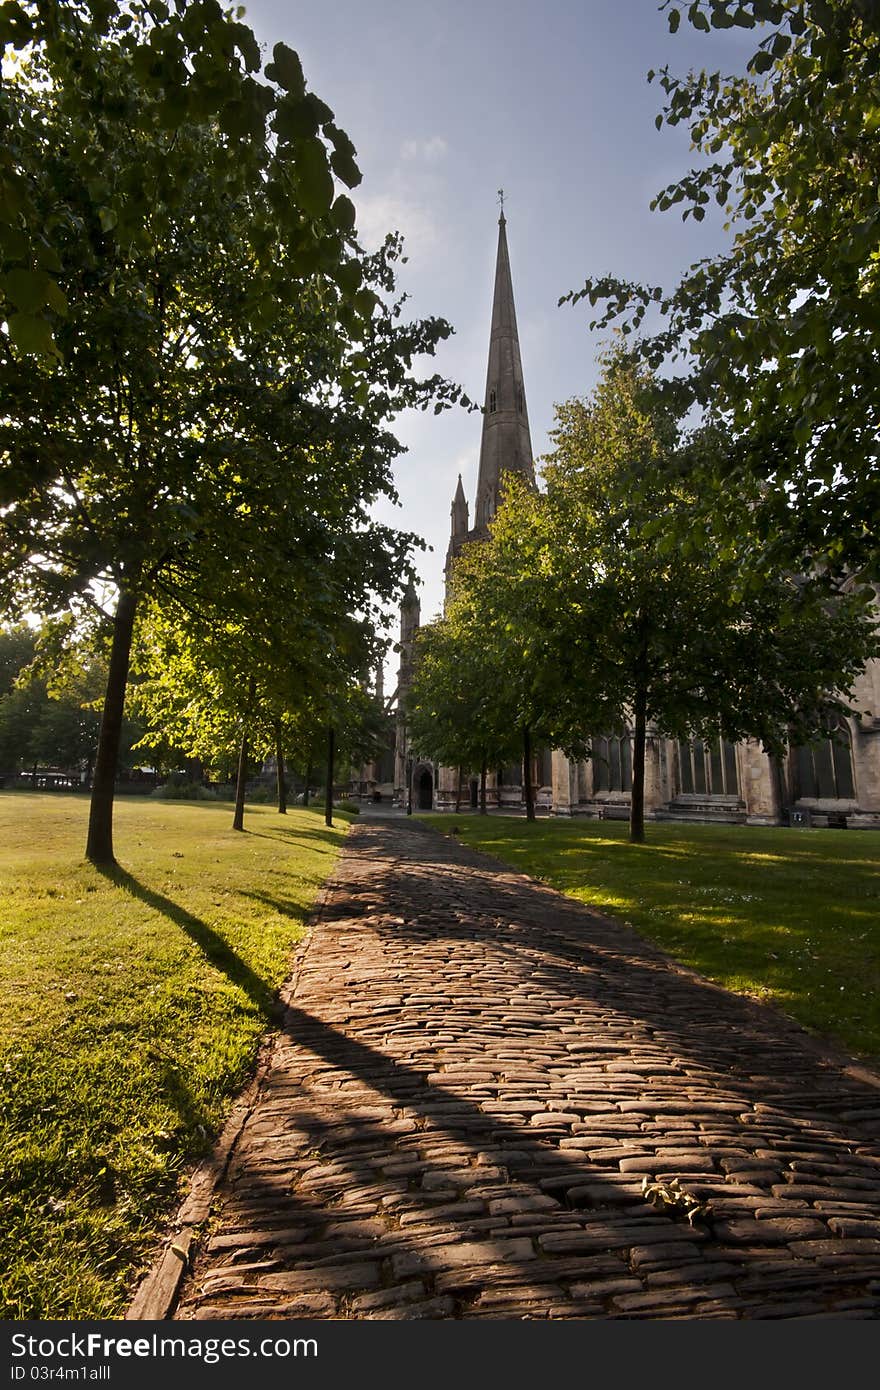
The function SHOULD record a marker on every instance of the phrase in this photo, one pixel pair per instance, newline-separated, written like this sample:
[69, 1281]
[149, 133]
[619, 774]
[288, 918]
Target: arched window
[612, 765]
[546, 767]
[707, 769]
[520, 400]
[493, 402]
[823, 768]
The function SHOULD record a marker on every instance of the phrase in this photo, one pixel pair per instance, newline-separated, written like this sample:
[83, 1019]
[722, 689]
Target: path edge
[155, 1296]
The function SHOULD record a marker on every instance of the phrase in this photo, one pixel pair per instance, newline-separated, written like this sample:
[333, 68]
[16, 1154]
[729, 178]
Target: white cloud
[426, 151]
[381, 213]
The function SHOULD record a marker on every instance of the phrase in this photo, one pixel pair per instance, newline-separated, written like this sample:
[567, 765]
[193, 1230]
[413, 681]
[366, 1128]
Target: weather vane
[501, 198]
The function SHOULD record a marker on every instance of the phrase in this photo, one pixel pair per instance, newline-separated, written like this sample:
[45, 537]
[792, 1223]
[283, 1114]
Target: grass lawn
[786, 916]
[133, 1005]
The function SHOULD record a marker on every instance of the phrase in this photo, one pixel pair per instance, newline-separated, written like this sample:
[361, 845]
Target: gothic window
[612, 765]
[493, 402]
[520, 400]
[707, 769]
[823, 768]
[546, 768]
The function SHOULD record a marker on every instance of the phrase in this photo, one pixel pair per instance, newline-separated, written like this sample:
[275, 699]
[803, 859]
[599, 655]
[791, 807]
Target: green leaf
[365, 302]
[345, 169]
[107, 218]
[343, 214]
[286, 70]
[348, 277]
[314, 178]
[32, 334]
[674, 21]
[247, 46]
[46, 256]
[13, 199]
[28, 289]
[295, 119]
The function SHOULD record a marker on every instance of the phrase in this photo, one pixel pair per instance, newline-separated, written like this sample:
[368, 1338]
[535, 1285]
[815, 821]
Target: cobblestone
[472, 1077]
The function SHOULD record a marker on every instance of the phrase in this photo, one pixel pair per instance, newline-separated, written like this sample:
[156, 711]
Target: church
[834, 781]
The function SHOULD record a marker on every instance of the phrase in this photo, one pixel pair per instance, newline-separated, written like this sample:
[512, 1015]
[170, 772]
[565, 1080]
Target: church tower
[506, 445]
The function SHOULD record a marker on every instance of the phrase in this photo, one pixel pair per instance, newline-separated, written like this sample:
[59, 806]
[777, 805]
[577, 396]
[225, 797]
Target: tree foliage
[50, 706]
[211, 413]
[599, 620]
[452, 707]
[688, 638]
[778, 334]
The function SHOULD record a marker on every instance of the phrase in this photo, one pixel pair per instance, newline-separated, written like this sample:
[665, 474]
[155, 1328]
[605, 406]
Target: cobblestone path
[473, 1078]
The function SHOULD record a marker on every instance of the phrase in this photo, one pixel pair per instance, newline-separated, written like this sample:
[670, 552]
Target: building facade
[835, 781]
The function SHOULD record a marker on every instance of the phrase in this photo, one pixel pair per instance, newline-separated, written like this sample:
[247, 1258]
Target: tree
[483, 686]
[272, 675]
[450, 708]
[224, 358]
[778, 334]
[49, 702]
[691, 638]
[18, 646]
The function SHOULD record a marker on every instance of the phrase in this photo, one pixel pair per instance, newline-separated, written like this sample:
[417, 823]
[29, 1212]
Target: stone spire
[459, 512]
[410, 614]
[506, 445]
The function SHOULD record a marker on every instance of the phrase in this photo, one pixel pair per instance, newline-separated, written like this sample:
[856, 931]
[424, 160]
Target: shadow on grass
[217, 951]
[294, 834]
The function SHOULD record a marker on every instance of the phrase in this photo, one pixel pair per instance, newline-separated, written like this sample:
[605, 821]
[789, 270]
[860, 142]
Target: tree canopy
[688, 638]
[778, 333]
[201, 361]
[596, 619]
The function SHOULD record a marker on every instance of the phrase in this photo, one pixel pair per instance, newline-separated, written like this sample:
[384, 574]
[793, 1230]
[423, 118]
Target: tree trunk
[483, 770]
[308, 783]
[527, 774]
[241, 779]
[637, 803]
[458, 792]
[328, 796]
[99, 845]
[279, 765]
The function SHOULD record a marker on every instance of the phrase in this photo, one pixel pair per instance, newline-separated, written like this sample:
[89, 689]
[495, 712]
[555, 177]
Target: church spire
[459, 512]
[506, 444]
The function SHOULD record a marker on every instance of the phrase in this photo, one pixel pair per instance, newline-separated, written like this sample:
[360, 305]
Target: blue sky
[448, 101]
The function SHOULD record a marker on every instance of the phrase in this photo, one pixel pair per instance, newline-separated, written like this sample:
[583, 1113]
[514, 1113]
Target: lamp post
[409, 777]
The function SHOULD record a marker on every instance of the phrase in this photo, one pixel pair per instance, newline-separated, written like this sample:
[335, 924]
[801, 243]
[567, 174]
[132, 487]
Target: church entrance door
[425, 790]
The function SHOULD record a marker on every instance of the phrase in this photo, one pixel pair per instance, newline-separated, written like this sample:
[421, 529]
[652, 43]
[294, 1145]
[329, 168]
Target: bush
[350, 806]
[176, 790]
[260, 796]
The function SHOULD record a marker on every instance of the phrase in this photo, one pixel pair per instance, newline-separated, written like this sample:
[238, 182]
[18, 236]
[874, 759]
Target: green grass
[133, 1007]
[786, 916]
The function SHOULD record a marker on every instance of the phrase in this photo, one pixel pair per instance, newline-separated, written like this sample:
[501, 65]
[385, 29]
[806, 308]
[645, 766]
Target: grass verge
[134, 1005]
[785, 916]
